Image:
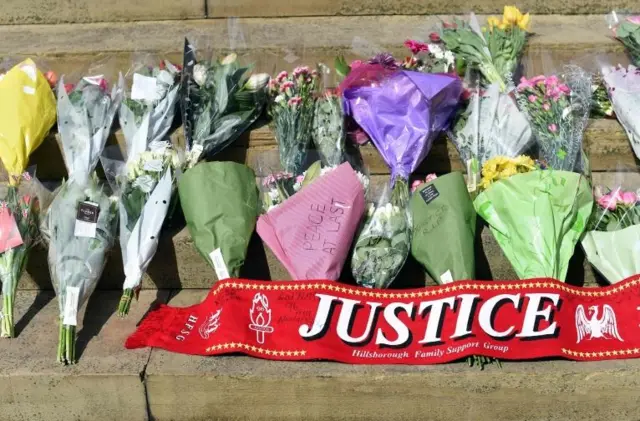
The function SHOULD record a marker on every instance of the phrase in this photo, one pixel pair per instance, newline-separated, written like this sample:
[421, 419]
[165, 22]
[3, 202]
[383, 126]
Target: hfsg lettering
[187, 328]
[323, 220]
[393, 325]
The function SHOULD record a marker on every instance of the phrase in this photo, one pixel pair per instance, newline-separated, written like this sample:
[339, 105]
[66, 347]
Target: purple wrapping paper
[404, 115]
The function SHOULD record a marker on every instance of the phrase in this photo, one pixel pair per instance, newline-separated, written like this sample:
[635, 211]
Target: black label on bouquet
[429, 193]
[88, 212]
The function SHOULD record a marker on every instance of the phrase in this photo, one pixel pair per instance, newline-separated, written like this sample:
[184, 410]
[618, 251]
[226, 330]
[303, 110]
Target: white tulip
[229, 59]
[257, 81]
[200, 74]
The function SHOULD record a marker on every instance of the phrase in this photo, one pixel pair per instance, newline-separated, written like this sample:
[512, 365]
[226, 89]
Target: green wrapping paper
[537, 218]
[220, 201]
[444, 228]
[615, 254]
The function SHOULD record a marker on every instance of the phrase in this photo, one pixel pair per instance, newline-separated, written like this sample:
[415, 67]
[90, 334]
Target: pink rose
[430, 178]
[629, 198]
[415, 185]
[68, 87]
[268, 180]
[434, 37]
[608, 201]
[553, 128]
[533, 98]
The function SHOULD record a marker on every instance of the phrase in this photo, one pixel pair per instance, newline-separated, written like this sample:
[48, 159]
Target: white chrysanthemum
[436, 51]
[449, 57]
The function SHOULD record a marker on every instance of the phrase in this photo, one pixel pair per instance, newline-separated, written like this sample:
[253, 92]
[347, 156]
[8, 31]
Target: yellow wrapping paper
[27, 112]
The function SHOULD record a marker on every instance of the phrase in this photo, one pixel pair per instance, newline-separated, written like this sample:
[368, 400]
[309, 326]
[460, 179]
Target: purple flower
[384, 59]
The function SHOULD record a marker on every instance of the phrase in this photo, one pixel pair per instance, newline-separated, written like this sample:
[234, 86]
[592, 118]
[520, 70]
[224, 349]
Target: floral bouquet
[219, 102]
[600, 103]
[430, 57]
[491, 125]
[144, 183]
[613, 235]
[312, 230]
[80, 224]
[27, 112]
[495, 50]
[558, 113]
[623, 85]
[627, 31]
[291, 106]
[537, 215]
[444, 227]
[402, 115]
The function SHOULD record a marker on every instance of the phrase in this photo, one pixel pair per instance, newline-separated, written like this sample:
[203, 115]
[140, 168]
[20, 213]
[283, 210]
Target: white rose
[257, 81]
[229, 59]
[200, 74]
[145, 183]
[155, 165]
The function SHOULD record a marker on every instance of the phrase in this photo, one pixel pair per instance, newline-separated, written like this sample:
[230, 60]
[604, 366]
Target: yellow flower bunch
[501, 167]
[510, 17]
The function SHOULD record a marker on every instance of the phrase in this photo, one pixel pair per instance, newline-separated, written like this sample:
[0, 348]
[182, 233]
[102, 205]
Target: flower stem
[66, 344]
[125, 302]
[7, 328]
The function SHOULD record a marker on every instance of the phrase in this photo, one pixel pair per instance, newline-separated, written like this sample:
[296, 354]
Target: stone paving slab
[104, 385]
[236, 387]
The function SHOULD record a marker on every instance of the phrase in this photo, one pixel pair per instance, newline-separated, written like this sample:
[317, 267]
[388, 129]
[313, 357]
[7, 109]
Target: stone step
[111, 383]
[606, 145]
[282, 43]
[83, 11]
[178, 265]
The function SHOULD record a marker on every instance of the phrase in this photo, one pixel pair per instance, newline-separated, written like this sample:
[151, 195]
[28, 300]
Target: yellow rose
[523, 22]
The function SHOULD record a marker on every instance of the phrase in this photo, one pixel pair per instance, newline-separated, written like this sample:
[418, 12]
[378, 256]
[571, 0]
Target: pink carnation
[430, 177]
[524, 84]
[537, 79]
[533, 98]
[553, 128]
[634, 19]
[296, 100]
[282, 76]
[300, 178]
[434, 37]
[301, 70]
[286, 85]
[415, 185]
[546, 106]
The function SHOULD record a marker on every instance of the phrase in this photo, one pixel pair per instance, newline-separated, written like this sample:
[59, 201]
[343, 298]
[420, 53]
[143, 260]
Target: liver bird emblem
[605, 327]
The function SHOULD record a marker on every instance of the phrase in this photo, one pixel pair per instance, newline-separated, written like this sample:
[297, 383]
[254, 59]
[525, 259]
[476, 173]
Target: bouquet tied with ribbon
[27, 112]
[80, 224]
[145, 181]
[402, 115]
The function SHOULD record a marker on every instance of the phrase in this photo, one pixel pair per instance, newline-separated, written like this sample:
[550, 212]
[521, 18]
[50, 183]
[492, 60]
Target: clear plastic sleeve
[558, 108]
[145, 182]
[627, 30]
[81, 221]
[220, 99]
[613, 231]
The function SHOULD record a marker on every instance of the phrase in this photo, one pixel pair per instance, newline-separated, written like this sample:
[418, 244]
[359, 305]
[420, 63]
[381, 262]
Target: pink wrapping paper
[9, 233]
[311, 232]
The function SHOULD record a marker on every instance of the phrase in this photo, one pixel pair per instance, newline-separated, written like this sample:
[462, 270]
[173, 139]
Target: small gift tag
[87, 220]
[70, 316]
[144, 88]
[218, 264]
[429, 193]
[9, 233]
[446, 277]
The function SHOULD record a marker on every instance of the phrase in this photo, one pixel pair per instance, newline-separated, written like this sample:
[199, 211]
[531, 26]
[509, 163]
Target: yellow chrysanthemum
[501, 167]
[525, 161]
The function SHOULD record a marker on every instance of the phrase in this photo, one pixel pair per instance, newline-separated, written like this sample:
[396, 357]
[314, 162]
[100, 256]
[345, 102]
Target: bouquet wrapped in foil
[27, 112]
[80, 224]
[145, 181]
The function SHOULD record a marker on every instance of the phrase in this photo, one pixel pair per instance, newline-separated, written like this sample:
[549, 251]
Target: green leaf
[312, 173]
[342, 68]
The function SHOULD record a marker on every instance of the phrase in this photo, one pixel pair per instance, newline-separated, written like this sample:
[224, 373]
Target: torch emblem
[210, 325]
[260, 314]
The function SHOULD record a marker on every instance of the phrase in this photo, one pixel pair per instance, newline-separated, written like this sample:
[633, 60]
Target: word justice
[464, 308]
